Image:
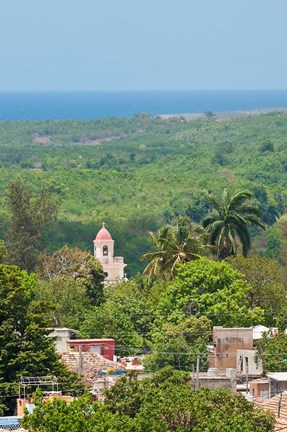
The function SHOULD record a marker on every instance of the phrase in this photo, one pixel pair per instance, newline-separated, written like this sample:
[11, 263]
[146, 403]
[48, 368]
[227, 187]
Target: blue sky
[143, 45]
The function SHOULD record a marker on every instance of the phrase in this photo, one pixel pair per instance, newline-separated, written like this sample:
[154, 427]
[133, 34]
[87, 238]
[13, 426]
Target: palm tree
[234, 213]
[172, 246]
[158, 257]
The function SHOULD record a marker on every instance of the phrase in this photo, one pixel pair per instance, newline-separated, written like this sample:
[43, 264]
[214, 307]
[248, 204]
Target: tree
[109, 321]
[270, 209]
[166, 403]
[271, 349]
[79, 415]
[158, 257]
[273, 243]
[68, 299]
[163, 403]
[266, 288]
[234, 214]
[174, 245]
[125, 317]
[209, 114]
[212, 289]
[30, 213]
[3, 252]
[126, 398]
[282, 227]
[77, 265]
[24, 346]
[179, 344]
[266, 146]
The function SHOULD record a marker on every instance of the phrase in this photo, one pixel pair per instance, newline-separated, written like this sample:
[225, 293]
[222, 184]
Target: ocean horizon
[56, 105]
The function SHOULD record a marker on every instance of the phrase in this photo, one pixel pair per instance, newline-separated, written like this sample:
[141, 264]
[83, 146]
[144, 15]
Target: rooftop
[273, 405]
[59, 329]
[75, 341]
[91, 365]
[277, 376]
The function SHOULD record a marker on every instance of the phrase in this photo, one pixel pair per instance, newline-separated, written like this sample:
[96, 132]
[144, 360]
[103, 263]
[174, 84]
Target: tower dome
[103, 234]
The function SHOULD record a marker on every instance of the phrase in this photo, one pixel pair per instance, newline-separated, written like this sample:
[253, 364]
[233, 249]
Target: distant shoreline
[224, 115]
[101, 105]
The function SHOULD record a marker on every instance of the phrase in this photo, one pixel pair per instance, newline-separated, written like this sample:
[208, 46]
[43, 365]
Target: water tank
[230, 373]
[212, 372]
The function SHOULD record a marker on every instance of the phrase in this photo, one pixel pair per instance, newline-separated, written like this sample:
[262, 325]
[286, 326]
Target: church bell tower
[104, 252]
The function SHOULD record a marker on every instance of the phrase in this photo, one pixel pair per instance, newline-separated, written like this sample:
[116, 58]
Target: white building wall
[247, 357]
[61, 336]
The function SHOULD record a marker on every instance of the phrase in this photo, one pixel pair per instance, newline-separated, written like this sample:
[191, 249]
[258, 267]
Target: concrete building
[226, 343]
[61, 335]
[258, 332]
[245, 360]
[277, 383]
[104, 252]
[259, 388]
[65, 342]
[104, 347]
[206, 380]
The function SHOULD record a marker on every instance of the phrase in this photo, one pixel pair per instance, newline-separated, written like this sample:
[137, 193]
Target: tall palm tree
[158, 257]
[172, 246]
[234, 214]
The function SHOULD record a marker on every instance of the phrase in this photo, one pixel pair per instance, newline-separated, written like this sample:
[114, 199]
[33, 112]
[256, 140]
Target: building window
[241, 363]
[106, 274]
[105, 251]
[96, 349]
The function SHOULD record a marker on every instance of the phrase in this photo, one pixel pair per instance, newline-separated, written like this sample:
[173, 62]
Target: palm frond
[239, 199]
[250, 210]
[225, 199]
[215, 230]
[216, 204]
[254, 220]
[209, 220]
[231, 242]
[244, 238]
[151, 255]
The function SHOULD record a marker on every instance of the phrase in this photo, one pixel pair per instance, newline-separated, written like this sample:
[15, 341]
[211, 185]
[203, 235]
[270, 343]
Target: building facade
[61, 335]
[277, 383]
[226, 343]
[246, 364]
[104, 347]
[104, 252]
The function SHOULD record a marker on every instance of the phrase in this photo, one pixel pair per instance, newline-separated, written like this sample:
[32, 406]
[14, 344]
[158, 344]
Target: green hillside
[137, 174]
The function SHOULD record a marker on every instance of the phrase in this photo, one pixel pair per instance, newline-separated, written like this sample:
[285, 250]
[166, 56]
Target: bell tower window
[105, 251]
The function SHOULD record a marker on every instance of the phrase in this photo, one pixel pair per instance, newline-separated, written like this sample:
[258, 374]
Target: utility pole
[80, 359]
[197, 371]
[246, 364]
[279, 405]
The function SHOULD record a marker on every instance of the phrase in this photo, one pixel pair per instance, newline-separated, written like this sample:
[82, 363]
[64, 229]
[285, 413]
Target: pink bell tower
[104, 252]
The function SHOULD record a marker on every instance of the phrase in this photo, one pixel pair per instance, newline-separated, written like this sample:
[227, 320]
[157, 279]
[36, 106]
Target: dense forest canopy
[138, 174]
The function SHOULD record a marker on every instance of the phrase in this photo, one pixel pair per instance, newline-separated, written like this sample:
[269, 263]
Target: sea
[102, 104]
